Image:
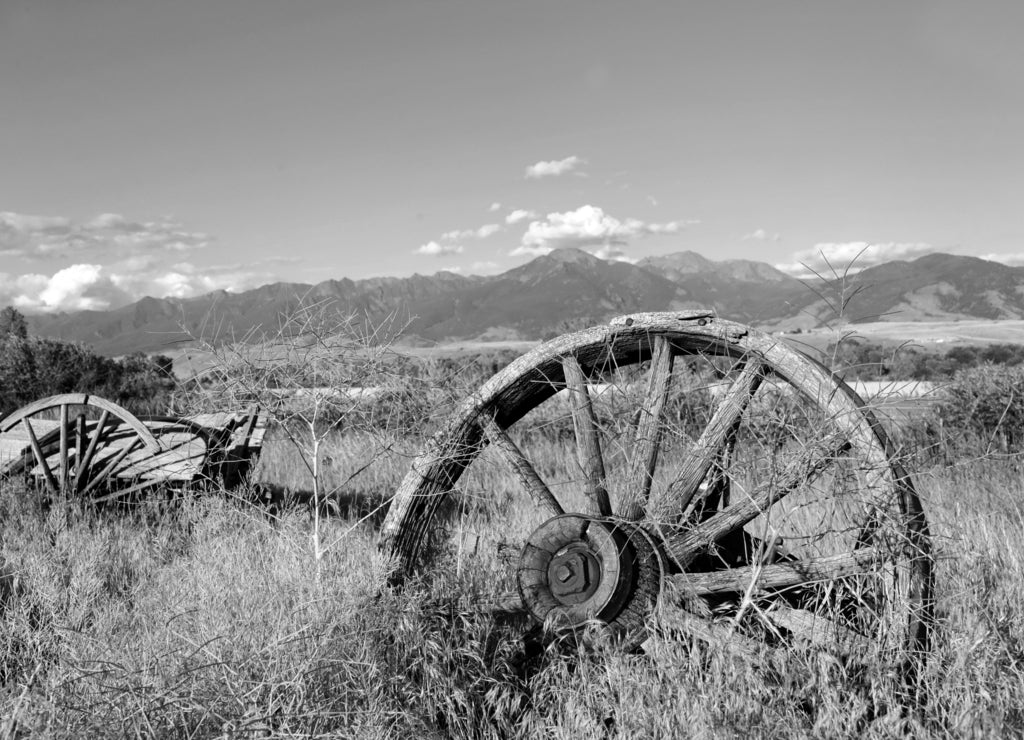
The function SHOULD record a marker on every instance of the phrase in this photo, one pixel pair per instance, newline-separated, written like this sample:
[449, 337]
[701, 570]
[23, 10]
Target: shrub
[986, 403]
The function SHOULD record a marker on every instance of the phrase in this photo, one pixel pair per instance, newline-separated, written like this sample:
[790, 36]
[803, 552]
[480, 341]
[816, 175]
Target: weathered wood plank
[523, 469]
[685, 546]
[668, 505]
[647, 440]
[588, 442]
[777, 575]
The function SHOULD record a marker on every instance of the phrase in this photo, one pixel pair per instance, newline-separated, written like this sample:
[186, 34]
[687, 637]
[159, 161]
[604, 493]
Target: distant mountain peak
[685, 262]
[571, 256]
[567, 287]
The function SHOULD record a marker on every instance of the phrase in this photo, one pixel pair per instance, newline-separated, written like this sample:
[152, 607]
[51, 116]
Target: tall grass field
[251, 613]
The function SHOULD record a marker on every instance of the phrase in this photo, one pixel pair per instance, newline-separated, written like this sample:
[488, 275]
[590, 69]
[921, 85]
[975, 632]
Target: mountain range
[564, 290]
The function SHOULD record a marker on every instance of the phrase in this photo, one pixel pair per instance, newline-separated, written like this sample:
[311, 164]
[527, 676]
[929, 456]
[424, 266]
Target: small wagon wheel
[691, 466]
[79, 455]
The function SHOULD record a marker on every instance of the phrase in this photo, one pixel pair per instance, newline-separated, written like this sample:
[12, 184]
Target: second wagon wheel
[77, 452]
[680, 463]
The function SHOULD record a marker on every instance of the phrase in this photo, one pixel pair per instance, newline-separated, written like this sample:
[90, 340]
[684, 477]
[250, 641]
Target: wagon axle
[576, 568]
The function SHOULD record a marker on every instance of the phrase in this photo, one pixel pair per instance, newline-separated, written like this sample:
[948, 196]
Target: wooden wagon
[82, 444]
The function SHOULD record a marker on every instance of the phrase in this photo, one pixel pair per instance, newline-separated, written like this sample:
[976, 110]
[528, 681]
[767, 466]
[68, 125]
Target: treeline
[863, 360]
[36, 367]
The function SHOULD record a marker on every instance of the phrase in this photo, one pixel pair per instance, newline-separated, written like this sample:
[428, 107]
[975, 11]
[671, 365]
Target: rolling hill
[563, 290]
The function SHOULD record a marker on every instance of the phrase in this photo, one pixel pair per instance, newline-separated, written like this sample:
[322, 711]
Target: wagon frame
[85, 445]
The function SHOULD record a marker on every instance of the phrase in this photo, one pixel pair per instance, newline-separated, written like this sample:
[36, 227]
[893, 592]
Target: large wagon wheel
[693, 466]
[79, 455]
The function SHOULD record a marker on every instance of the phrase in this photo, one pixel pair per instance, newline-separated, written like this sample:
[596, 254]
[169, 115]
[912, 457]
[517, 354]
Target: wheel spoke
[777, 575]
[523, 469]
[719, 636]
[717, 485]
[64, 446]
[671, 502]
[79, 448]
[108, 470]
[588, 444]
[685, 546]
[818, 630]
[139, 486]
[40, 458]
[506, 603]
[648, 432]
[82, 474]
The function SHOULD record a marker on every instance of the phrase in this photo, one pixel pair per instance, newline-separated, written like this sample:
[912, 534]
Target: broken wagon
[82, 444]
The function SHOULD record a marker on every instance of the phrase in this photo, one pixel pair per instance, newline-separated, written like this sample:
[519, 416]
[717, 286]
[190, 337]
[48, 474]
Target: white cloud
[555, 167]
[78, 287]
[457, 235]
[761, 235]
[589, 226]
[851, 257]
[84, 286]
[107, 234]
[481, 233]
[436, 249]
[495, 206]
[1013, 259]
[447, 243]
[613, 254]
[519, 215]
[527, 251]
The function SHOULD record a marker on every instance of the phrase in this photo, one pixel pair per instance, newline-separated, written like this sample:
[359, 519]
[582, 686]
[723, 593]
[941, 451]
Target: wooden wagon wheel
[82, 464]
[691, 466]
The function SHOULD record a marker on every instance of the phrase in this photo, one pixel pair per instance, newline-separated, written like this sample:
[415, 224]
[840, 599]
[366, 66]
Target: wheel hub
[574, 574]
[576, 568]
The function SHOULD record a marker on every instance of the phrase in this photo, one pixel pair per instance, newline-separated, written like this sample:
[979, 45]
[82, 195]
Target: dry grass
[208, 618]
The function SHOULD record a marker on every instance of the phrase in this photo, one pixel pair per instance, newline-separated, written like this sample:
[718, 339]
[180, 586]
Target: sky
[173, 148]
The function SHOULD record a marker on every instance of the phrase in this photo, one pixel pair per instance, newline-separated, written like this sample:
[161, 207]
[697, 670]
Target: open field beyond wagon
[271, 608]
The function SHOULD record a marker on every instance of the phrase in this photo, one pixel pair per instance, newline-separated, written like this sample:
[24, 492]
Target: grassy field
[210, 617]
[927, 334]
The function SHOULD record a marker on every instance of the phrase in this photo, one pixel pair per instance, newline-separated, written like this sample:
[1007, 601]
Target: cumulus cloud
[109, 260]
[484, 266]
[449, 241]
[761, 235]
[519, 215]
[1013, 259]
[436, 249]
[78, 287]
[613, 253]
[851, 257]
[495, 206]
[457, 234]
[554, 167]
[85, 286]
[55, 237]
[524, 250]
[589, 227]
[185, 280]
[481, 233]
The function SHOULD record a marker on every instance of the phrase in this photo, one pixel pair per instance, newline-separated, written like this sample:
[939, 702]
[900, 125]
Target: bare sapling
[320, 373]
